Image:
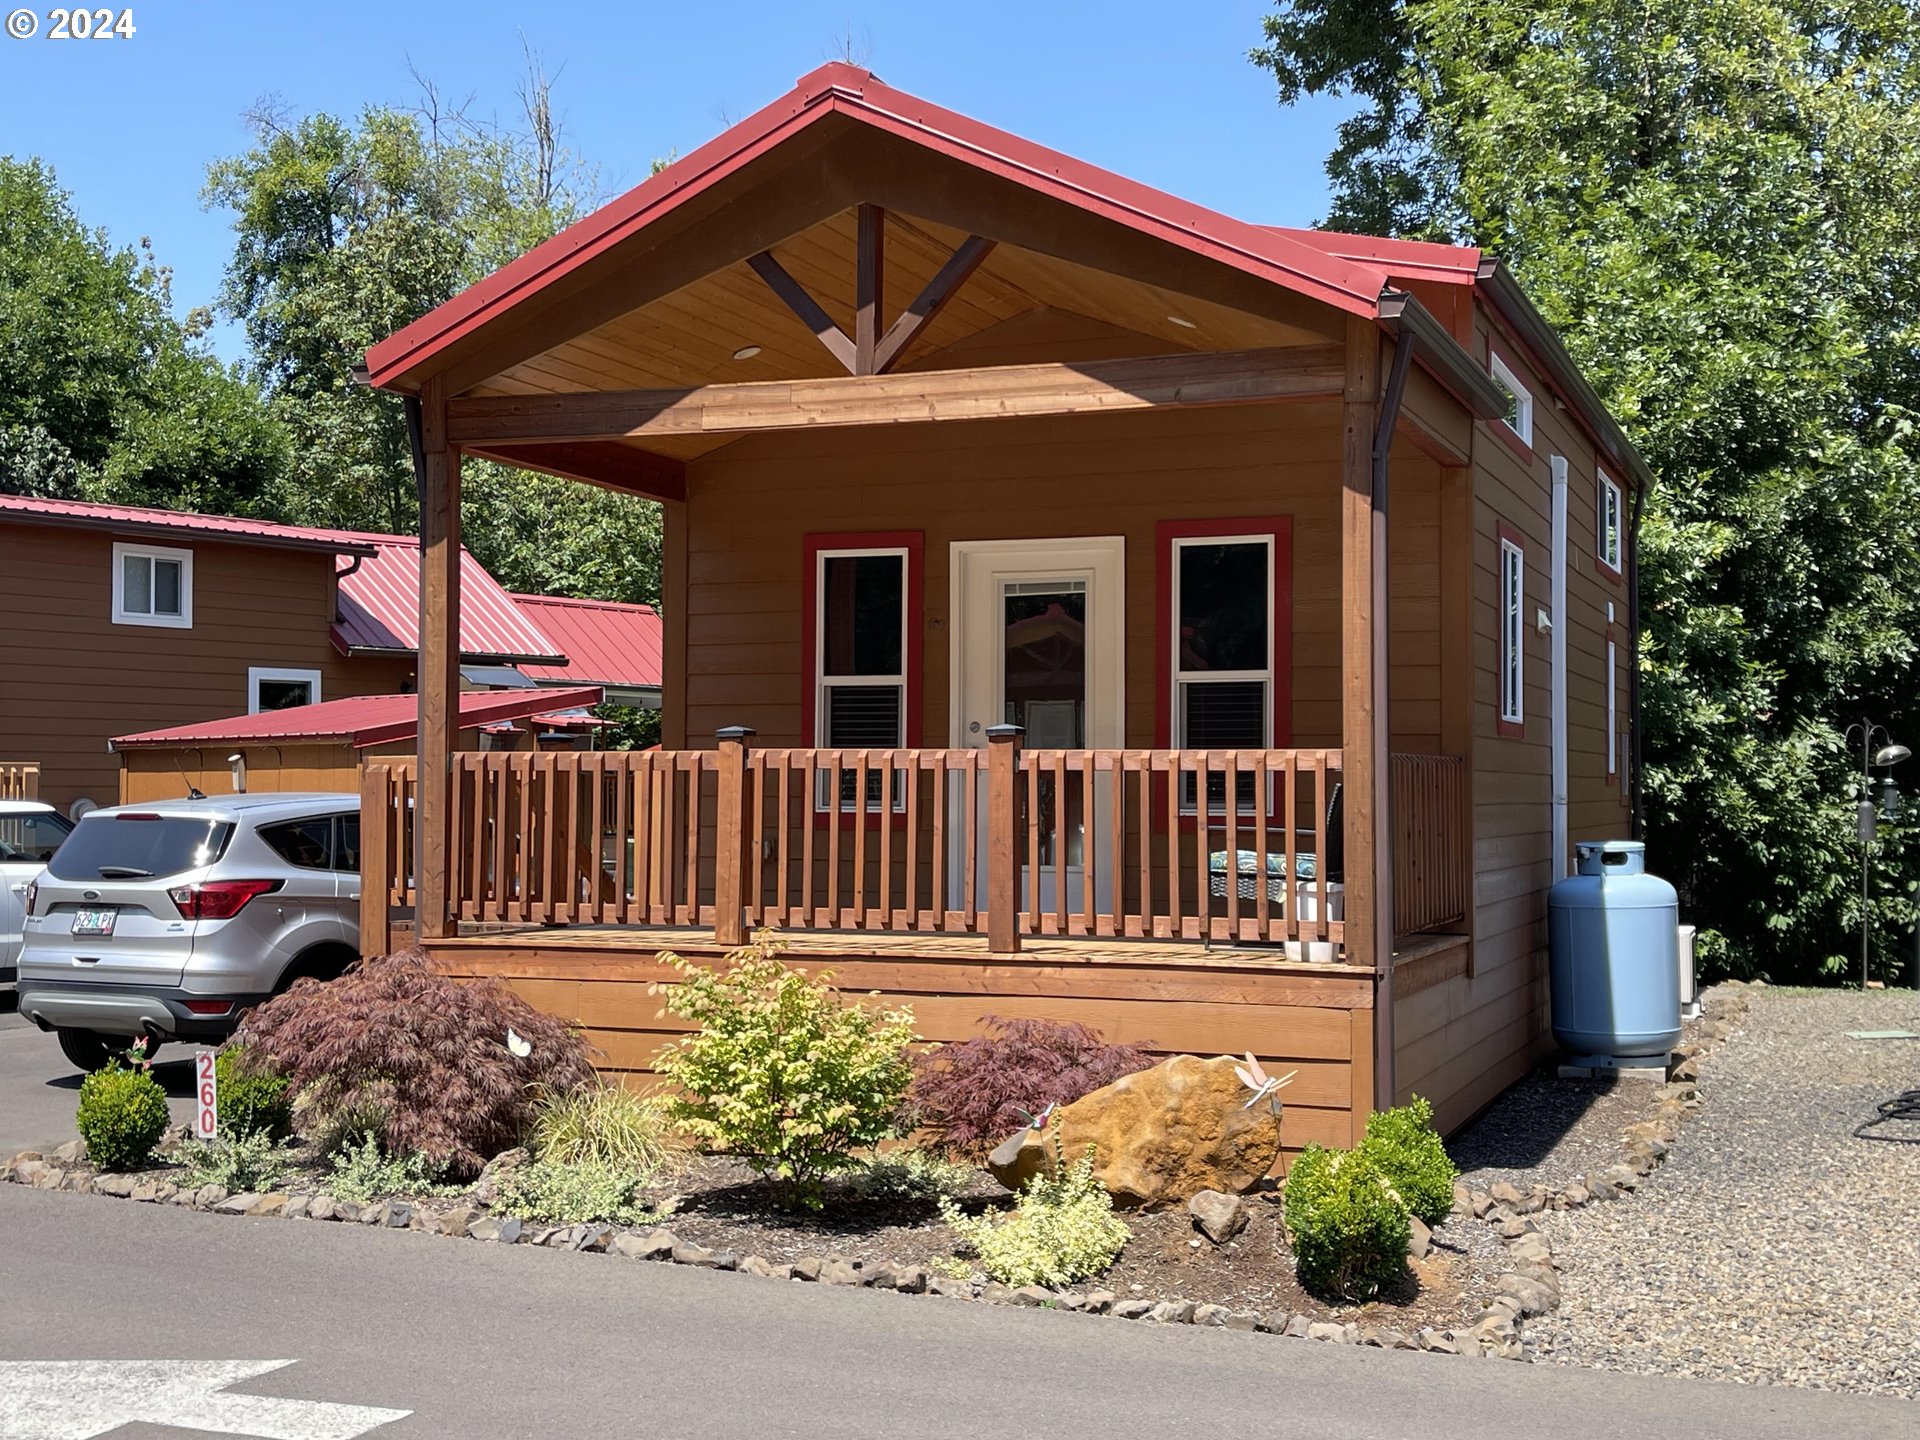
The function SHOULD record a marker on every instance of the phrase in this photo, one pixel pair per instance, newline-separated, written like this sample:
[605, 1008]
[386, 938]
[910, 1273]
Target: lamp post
[1868, 815]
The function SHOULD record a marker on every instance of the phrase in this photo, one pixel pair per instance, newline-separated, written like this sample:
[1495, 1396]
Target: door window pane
[1045, 655]
[862, 601]
[1225, 609]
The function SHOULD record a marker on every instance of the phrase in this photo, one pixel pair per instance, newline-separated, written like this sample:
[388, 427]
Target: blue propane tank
[1614, 943]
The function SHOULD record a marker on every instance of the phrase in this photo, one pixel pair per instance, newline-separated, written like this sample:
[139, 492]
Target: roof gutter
[1449, 361]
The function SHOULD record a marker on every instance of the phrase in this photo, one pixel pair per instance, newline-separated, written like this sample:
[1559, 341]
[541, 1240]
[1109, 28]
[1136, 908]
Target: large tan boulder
[1160, 1136]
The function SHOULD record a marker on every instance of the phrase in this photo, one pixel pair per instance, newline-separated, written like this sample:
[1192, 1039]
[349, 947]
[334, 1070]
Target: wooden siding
[1461, 1039]
[1170, 999]
[70, 679]
[734, 648]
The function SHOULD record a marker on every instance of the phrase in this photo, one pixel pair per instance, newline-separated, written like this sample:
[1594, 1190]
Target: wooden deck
[1170, 997]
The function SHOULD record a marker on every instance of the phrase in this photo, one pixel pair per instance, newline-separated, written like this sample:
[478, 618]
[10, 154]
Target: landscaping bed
[1141, 1185]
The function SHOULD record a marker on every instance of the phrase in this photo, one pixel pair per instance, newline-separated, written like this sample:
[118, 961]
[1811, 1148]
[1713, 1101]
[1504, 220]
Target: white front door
[1039, 641]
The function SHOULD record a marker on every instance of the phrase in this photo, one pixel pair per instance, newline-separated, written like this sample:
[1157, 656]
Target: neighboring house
[321, 747]
[120, 619]
[614, 646]
[1033, 529]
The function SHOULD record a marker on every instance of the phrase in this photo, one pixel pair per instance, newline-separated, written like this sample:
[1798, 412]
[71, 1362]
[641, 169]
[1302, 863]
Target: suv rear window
[305, 843]
[136, 847]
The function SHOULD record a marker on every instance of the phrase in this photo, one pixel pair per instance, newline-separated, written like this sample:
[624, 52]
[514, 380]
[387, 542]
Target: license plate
[94, 922]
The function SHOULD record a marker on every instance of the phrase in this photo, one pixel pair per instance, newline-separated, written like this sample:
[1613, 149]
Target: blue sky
[1160, 92]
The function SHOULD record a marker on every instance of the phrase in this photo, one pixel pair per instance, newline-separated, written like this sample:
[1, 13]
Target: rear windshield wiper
[124, 872]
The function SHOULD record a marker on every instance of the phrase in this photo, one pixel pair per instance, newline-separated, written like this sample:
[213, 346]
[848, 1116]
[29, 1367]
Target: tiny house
[1077, 604]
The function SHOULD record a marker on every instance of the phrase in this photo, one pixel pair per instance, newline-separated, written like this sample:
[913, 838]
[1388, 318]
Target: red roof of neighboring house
[147, 520]
[606, 643]
[364, 720]
[846, 90]
[380, 608]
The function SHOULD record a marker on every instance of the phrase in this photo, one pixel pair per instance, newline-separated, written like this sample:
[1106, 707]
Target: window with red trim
[1225, 631]
[863, 609]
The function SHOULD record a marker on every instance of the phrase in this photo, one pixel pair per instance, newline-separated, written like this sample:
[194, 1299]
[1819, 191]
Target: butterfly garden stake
[1263, 1085]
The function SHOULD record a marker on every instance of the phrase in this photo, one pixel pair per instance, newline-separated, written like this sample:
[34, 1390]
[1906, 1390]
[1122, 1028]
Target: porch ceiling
[689, 338]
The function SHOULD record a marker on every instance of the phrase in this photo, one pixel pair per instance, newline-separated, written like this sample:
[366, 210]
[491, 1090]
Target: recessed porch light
[746, 352]
[1183, 322]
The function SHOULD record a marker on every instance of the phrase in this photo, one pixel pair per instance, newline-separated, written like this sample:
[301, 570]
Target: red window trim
[1601, 480]
[914, 542]
[1510, 729]
[1500, 427]
[1278, 528]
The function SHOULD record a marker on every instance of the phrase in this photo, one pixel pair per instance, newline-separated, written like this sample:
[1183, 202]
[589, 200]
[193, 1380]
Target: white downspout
[1558, 650]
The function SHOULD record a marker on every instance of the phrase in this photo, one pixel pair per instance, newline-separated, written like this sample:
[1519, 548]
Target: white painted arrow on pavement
[75, 1399]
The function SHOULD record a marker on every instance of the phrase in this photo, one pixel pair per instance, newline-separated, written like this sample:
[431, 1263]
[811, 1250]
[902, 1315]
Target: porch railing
[1005, 842]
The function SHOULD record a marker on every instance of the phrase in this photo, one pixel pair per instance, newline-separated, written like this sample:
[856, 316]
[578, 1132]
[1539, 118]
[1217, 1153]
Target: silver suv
[168, 920]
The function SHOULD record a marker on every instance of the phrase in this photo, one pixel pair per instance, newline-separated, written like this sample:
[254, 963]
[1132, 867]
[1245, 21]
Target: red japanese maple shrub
[971, 1095]
[423, 1056]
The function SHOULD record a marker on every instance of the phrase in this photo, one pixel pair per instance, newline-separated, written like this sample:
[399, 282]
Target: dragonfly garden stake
[1263, 1085]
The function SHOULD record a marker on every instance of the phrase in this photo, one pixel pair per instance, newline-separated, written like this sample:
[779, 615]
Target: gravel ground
[1773, 1247]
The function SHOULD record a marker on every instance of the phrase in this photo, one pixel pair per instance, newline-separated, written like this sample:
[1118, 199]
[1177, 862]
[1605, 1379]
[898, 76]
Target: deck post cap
[1005, 732]
[735, 732]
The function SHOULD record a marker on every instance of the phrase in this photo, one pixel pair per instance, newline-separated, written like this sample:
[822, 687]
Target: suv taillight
[218, 899]
[33, 894]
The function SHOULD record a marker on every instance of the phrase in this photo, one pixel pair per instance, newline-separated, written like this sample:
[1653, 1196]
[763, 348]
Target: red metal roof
[364, 720]
[1400, 259]
[145, 520]
[1282, 257]
[606, 643]
[380, 609]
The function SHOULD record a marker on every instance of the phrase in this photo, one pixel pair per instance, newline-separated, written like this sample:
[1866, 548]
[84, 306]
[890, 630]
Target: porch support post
[730, 838]
[376, 858]
[1363, 710]
[437, 468]
[1003, 829]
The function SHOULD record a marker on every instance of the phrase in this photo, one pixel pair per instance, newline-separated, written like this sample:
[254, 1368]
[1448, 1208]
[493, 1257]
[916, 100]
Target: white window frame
[124, 551]
[1610, 541]
[825, 784]
[1189, 805]
[1513, 650]
[257, 673]
[1504, 376]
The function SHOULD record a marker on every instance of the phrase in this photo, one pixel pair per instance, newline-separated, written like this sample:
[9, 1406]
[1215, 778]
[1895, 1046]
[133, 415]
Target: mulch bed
[719, 1203]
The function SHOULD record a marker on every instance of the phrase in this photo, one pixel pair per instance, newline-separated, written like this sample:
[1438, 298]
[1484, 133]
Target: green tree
[102, 391]
[1714, 201]
[348, 231]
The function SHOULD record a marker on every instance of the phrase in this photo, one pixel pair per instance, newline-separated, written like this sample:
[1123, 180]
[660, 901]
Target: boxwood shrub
[253, 1100]
[1406, 1149]
[122, 1117]
[1347, 1226]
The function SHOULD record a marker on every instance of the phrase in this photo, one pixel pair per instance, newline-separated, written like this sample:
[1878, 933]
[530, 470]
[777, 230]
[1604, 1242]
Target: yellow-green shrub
[1061, 1229]
[783, 1072]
